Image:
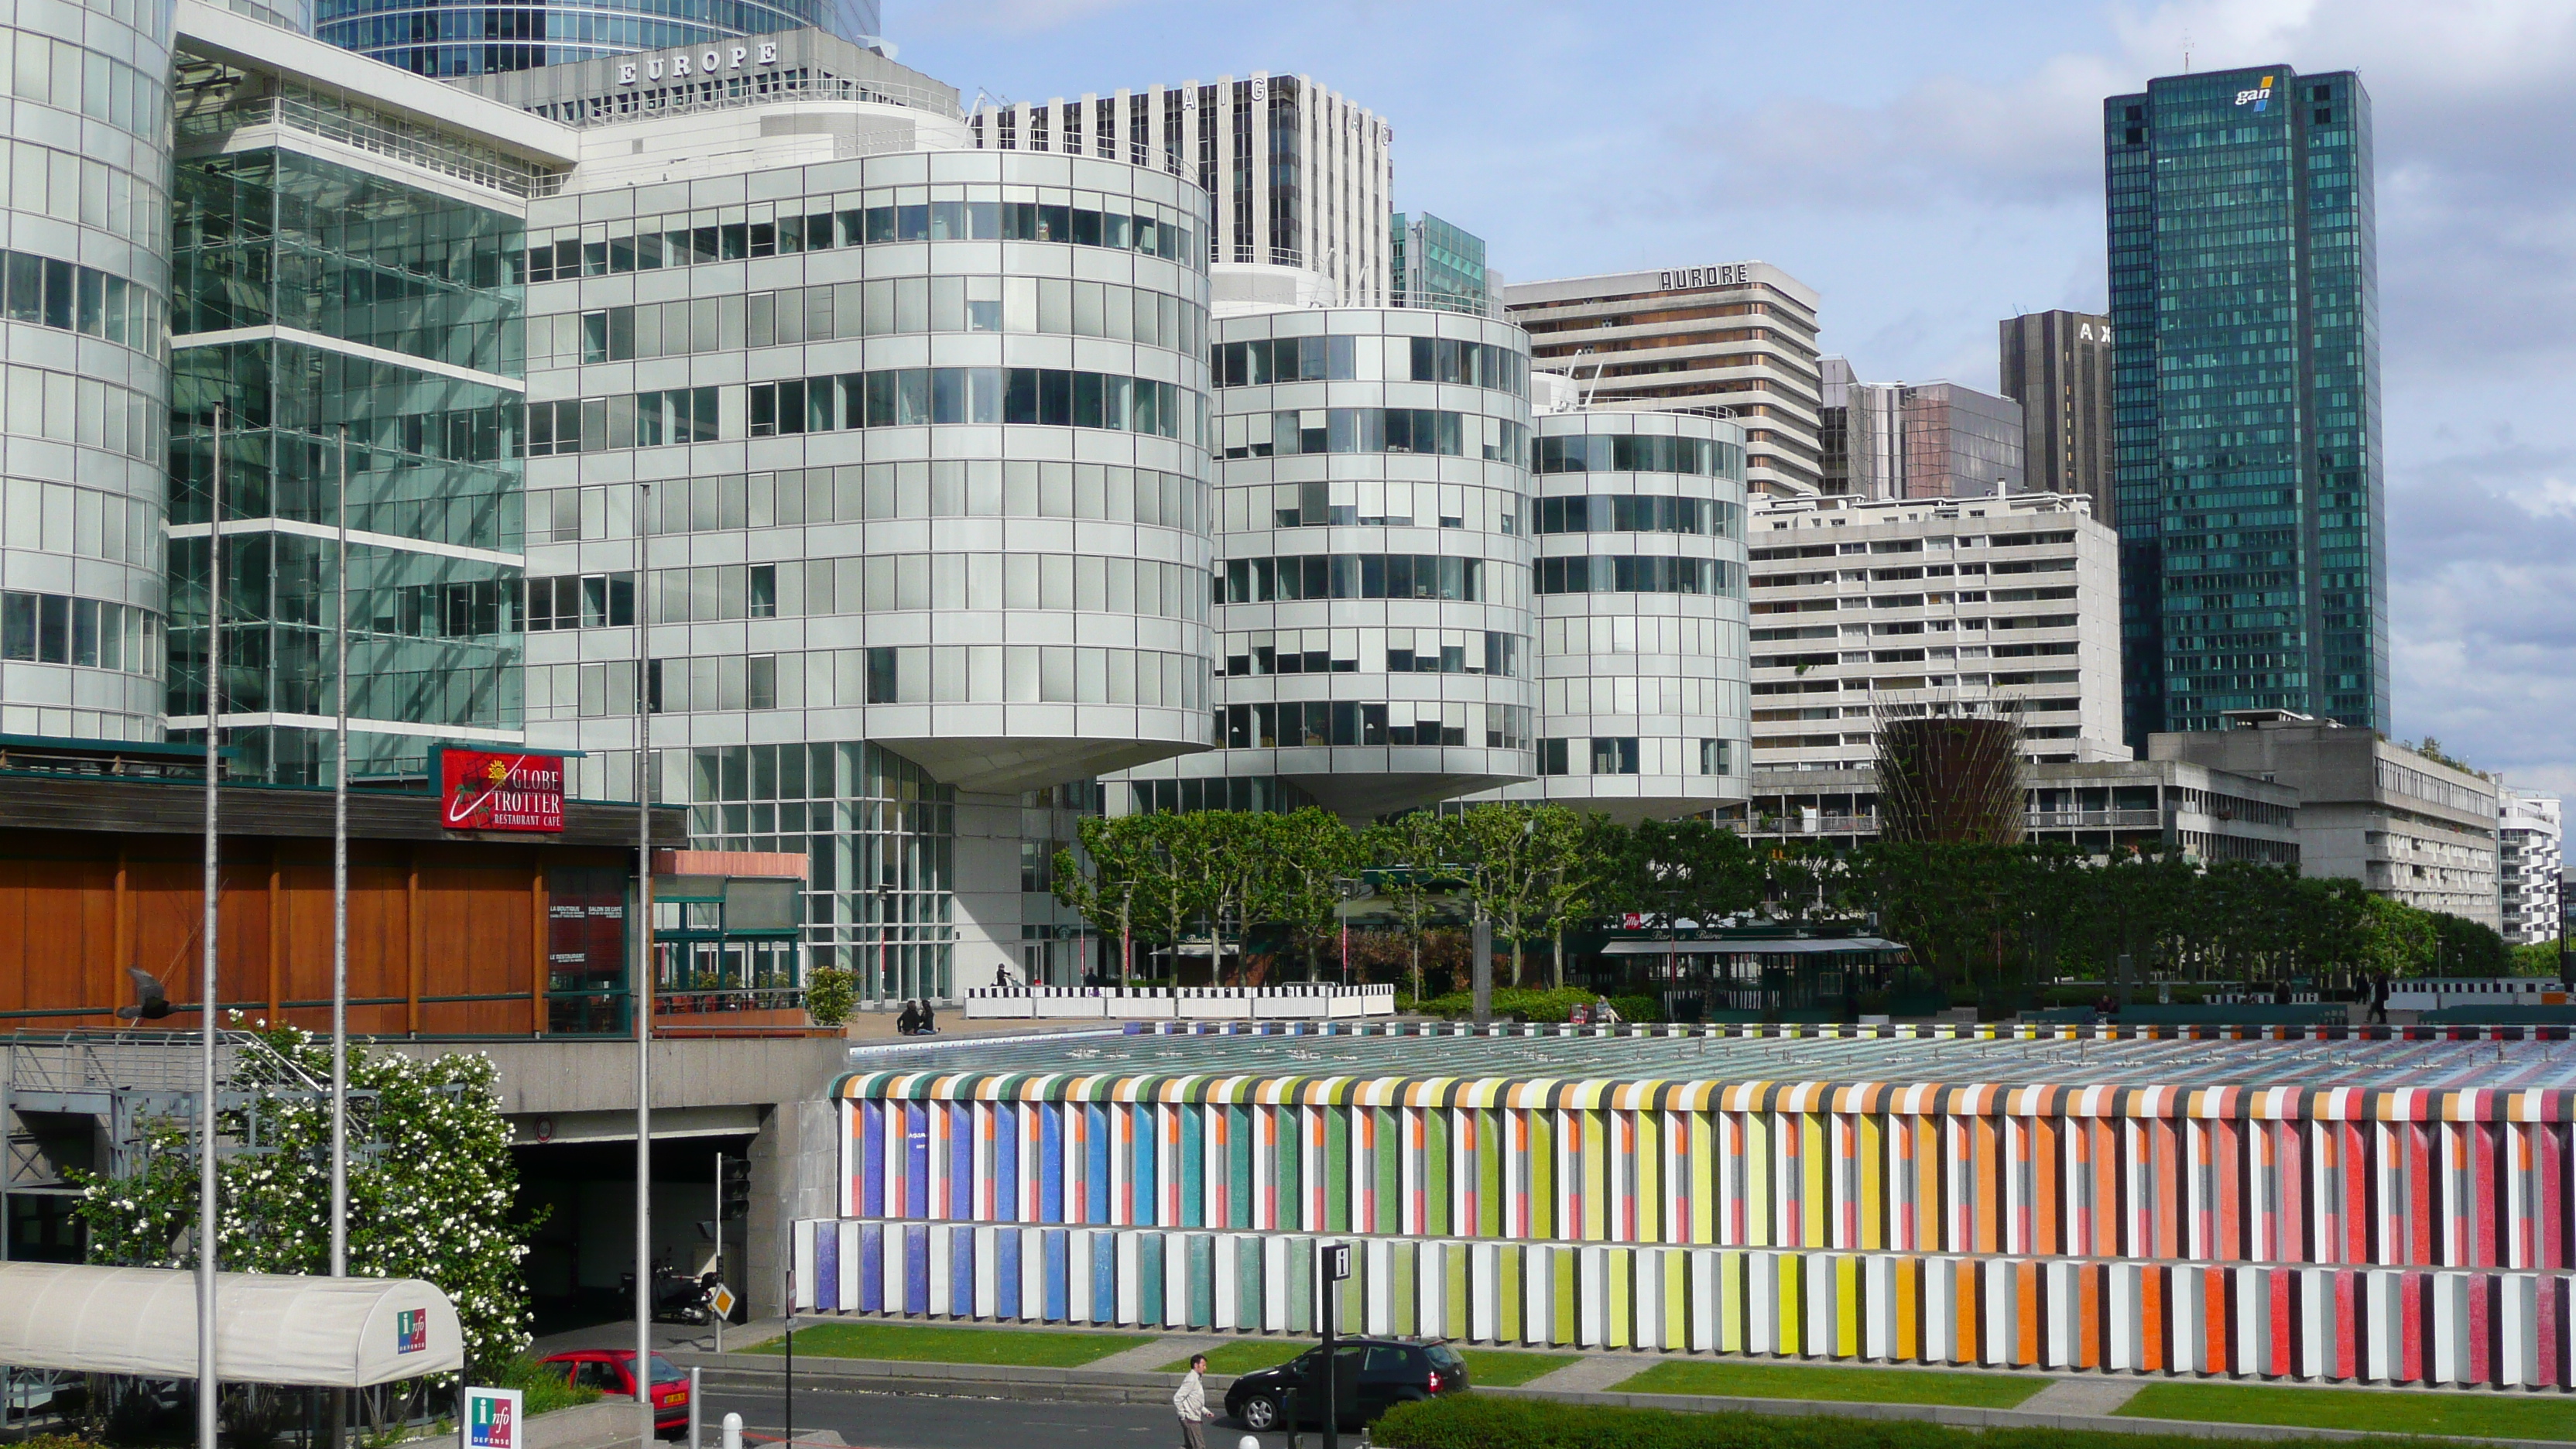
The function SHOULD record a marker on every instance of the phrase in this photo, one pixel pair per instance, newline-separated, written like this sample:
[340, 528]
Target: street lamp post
[643, 993]
[207, 1387]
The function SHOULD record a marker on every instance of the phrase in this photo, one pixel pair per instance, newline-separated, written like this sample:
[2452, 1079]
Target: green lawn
[925, 1343]
[1838, 1385]
[2493, 1416]
[1489, 1368]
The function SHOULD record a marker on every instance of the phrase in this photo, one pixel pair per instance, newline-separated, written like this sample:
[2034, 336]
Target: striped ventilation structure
[2388, 1210]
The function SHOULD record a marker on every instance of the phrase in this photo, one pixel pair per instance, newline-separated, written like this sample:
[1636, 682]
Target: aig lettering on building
[1684, 278]
[711, 61]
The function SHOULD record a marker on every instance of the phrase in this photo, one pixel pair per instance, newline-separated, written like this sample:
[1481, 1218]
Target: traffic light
[737, 1187]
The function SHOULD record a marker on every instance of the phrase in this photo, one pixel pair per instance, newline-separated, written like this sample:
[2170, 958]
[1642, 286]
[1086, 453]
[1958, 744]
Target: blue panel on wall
[916, 1160]
[826, 1294]
[1149, 1277]
[1104, 1277]
[1006, 1272]
[1095, 1176]
[872, 1267]
[1148, 1201]
[1193, 1165]
[916, 1268]
[1050, 1161]
[1059, 1280]
[961, 1273]
[961, 1160]
[872, 1171]
[1006, 1161]
[1202, 1302]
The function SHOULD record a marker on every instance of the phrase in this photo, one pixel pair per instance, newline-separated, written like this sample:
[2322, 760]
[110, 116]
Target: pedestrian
[2379, 998]
[1002, 977]
[1190, 1402]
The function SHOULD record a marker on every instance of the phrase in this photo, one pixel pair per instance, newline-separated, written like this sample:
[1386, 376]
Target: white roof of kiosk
[273, 1328]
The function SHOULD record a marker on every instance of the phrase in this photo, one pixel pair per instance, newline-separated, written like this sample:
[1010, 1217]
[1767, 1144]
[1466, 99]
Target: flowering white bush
[431, 1185]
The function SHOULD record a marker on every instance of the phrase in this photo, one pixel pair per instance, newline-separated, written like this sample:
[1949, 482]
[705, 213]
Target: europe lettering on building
[1683, 278]
[714, 60]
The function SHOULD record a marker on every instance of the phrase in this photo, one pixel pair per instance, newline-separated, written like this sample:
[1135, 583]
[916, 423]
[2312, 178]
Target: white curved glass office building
[1638, 524]
[84, 319]
[449, 38]
[1375, 614]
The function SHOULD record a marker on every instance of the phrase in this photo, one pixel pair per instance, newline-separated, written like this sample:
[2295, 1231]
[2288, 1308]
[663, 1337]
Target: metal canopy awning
[1786, 946]
[273, 1328]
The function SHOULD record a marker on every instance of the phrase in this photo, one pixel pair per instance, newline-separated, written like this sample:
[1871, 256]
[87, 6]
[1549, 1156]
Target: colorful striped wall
[2395, 1233]
[2427, 1326]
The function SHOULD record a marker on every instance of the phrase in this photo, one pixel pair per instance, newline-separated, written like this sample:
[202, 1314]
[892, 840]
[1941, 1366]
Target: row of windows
[629, 420]
[63, 75]
[847, 678]
[60, 518]
[652, 243]
[1405, 651]
[1342, 357]
[1294, 431]
[81, 299]
[945, 488]
[1631, 575]
[1634, 513]
[90, 633]
[905, 397]
[1662, 634]
[1357, 576]
[1935, 545]
[1632, 694]
[1294, 724]
[83, 411]
[42, 181]
[876, 583]
[1625, 453]
[1372, 503]
[894, 306]
[1619, 756]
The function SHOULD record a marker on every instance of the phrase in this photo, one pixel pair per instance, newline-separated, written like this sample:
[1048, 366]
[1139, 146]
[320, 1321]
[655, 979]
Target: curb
[1098, 1386]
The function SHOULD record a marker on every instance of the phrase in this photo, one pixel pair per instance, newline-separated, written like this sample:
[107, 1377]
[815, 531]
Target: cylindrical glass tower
[84, 308]
[437, 37]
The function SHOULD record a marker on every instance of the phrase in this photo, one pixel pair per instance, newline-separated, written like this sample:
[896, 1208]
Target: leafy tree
[830, 993]
[430, 1194]
[1510, 853]
[1112, 879]
[1409, 854]
[1305, 857]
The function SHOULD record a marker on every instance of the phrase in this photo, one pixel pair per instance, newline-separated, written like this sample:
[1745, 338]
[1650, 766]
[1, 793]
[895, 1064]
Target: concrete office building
[2528, 861]
[1916, 605]
[1738, 339]
[2405, 827]
[2057, 365]
[1300, 178]
[2096, 806]
[2245, 322]
[445, 39]
[1437, 264]
[1915, 440]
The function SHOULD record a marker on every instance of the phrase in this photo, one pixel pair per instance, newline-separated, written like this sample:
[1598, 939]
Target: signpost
[1334, 1259]
[490, 1419]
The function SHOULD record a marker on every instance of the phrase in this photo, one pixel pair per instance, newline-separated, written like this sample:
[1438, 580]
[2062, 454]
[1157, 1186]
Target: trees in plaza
[1978, 915]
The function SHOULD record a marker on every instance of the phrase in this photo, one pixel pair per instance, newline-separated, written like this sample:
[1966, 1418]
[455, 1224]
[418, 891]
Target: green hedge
[1479, 1421]
[1537, 1004]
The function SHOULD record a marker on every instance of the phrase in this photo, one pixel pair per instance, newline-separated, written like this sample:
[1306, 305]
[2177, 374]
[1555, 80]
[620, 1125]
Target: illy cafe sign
[714, 60]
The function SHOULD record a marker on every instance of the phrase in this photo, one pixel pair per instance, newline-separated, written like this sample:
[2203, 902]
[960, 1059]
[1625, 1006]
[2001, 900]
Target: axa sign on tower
[480, 790]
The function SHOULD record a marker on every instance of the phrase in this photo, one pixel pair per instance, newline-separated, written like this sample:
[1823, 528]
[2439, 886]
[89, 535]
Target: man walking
[1190, 1402]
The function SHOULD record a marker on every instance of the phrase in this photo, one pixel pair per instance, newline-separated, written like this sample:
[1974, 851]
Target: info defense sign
[481, 790]
[491, 1419]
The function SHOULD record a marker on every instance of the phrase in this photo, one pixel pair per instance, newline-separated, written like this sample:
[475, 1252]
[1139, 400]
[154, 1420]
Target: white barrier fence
[1183, 1003]
[2432, 993]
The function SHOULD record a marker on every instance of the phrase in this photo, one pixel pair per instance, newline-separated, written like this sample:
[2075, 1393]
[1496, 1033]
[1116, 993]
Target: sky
[1932, 167]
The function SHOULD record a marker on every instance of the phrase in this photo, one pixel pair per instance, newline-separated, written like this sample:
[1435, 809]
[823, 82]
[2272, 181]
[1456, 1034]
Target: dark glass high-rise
[2246, 416]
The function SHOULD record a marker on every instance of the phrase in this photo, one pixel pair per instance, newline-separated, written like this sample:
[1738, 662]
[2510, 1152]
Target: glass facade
[2245, 302]
[274, 237]
[453, 40]
[1438, 265]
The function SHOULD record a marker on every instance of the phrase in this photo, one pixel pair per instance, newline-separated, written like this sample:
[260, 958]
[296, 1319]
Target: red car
[612, 1371]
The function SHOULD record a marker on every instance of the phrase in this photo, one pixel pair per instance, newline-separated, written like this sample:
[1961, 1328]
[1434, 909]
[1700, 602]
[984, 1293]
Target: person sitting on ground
[905, 1023]
[927, 1023]
[1603, 1013]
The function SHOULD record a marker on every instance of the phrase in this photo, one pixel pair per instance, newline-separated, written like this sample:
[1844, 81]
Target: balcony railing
[429, 152]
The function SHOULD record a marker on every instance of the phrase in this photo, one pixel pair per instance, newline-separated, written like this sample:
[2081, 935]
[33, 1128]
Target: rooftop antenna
[2186, 52]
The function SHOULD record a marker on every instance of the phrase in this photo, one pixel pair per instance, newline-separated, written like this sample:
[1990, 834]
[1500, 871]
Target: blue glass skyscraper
[2245, 402]
[447, 38]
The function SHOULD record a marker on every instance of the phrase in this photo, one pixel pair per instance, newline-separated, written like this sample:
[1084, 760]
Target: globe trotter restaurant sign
[481, 790]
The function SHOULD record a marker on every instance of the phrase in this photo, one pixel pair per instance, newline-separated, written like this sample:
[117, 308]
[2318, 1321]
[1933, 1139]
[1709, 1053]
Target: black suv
[1372, 1375]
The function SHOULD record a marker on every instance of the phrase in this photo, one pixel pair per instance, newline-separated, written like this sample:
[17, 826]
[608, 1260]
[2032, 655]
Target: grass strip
[926, 1343]
[1488, 1368]
[1835, 1385]
[2486, 1416]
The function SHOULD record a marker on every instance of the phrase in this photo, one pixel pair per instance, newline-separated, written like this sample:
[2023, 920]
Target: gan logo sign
[479, 790]
[411, 1330]
[491, 1419]
[2260, 97]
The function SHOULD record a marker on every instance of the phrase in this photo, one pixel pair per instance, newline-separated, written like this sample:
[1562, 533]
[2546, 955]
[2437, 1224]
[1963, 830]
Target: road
[918, 1421]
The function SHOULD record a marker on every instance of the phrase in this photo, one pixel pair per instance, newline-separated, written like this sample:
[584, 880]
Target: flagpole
[643, 994]
[340, 909]
[207, 1386]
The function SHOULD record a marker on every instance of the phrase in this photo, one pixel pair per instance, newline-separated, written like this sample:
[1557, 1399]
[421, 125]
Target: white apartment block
[1737, 341]
[1301, 179]
[1917, 604]
[2528, 842]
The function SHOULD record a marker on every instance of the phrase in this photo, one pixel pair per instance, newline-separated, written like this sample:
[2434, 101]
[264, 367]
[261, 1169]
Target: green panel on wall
[1337, 1170]
[1390, 1170]
[1202, 1255]
[1542, 1173]
[1435, 1173]
[1238, 1129]
[1301, 1285]
[1563, 1300]
[1290, 1167]
[1490, 1178]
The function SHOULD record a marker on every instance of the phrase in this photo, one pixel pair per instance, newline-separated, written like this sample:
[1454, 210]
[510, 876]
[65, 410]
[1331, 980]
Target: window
[1713, 757]
[1614, 756]
[1551, 757]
